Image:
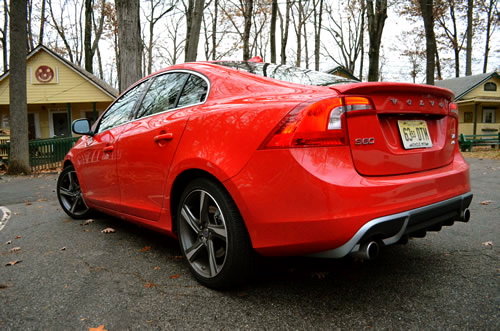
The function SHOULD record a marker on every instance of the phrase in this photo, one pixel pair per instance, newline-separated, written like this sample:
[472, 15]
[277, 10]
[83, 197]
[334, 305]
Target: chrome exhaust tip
[367, 251]
[465, 217]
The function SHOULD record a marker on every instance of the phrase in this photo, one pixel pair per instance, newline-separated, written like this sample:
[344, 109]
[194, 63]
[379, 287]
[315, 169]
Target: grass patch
[483, 153]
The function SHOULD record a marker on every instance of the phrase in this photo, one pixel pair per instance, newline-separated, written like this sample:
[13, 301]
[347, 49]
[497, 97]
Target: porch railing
[44, 153]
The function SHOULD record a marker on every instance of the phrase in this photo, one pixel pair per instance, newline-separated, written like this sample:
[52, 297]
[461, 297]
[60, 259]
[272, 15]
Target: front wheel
[70, 195]
[212, 236]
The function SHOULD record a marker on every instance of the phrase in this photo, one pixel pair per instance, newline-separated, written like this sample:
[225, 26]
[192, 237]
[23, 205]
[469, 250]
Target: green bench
[466, 141]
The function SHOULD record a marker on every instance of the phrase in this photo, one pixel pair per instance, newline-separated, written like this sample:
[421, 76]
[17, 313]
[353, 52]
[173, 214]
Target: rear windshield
[287, 73]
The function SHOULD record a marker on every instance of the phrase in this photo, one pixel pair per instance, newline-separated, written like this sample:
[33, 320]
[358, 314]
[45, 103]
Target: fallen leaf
[99, 328]
[8, 242]
[28, 203]
[41, 200]
[63, 248]
[86, 230]
[87, 222]
[14, 249]
[319, 275]
[486, 202]
[2, 286]
[67, 221]
[488, 243]
[13, 263]
[145, 249]
[156, 268]
[150, 285]
[18, 237]
[108, 230]
[174, 276]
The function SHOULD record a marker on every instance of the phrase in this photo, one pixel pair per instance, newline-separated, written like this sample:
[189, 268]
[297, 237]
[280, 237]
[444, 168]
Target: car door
[148, 144]
[97, 162]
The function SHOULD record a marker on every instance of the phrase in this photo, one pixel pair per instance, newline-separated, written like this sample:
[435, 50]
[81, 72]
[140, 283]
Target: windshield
[287, 73]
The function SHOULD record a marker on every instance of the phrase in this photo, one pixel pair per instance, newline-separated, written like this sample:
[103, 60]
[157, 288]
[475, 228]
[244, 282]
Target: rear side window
[195, 91]
[162, 94]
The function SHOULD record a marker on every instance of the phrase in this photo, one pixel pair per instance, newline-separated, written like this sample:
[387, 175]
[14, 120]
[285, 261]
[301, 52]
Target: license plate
[414, 134]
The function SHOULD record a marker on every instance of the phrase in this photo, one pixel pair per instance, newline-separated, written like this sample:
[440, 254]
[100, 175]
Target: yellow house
[58, 92]
[478, 100]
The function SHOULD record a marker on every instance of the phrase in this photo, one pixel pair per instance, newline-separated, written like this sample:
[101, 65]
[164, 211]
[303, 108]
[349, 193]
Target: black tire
[70, 195]
[213, 237]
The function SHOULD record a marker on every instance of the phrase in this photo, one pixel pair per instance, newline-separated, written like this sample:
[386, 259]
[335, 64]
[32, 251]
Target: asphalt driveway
[61, 274]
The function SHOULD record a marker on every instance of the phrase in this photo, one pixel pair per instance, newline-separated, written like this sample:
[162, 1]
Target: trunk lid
[409, 130]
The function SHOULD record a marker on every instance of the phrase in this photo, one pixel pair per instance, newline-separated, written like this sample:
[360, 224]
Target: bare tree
[5, 33]
[193, 18]
[157, 10]
[43, 20]
[447, 15]
[285, 25]
[427, 10]
[19, 151]
[489, 8]
[299, 21]
[376, 14]
[69, 33]
[175, 41]
[468, 48]
[129, 42]
[318, 26]
[346, 32]
[272, 32]
[90, 46]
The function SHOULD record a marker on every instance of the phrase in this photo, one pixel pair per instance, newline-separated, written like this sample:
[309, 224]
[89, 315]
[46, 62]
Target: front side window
[195, 91]
[162, 94]
[121, 111]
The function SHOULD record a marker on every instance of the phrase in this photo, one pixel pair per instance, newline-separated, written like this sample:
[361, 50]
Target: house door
[60, 124]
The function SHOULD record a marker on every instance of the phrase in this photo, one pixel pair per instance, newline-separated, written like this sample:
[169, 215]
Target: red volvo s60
[238, 159]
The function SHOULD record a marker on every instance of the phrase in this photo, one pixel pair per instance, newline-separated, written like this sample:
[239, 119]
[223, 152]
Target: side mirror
[82, 126]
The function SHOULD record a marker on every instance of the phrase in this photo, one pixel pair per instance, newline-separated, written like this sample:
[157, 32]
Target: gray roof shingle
[463, 85]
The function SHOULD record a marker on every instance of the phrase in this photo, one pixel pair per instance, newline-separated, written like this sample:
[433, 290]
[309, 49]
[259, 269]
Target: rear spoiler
[385, 87]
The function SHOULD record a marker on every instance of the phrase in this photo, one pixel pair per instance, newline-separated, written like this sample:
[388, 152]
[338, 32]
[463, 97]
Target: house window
[468, 116]
[490, 87]
[90, 116]
[489, 115]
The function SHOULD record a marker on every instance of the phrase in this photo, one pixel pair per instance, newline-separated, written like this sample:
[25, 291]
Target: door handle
[108, 149]
[163, 137]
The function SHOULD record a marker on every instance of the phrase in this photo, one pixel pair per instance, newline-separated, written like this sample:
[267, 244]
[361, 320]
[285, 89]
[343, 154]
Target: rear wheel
[212, 236]
[70, 195]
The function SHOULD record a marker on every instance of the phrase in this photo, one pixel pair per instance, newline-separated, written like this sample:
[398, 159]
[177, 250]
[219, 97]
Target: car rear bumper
[312, 200]
[390, 229]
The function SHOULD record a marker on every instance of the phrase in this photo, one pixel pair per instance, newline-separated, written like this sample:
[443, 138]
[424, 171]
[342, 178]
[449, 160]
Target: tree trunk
[247, 27]
[5, 33]
[28, 24]
[87, 37]
[427, 8]
[488, 34]
[468, 51]
[318, 17]
[376, 20]
[194, 31]
[129, 43]
[19, 151]
[214, 30]
[284, 31]
[42, 23]
[274, 16]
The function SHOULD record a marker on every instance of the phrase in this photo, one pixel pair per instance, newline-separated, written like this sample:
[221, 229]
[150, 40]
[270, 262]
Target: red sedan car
[238, 159]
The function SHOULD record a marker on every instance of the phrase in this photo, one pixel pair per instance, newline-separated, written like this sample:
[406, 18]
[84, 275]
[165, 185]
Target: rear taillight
[317, 123]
